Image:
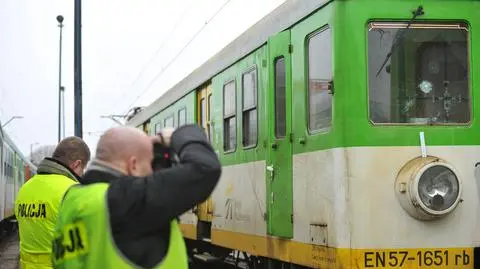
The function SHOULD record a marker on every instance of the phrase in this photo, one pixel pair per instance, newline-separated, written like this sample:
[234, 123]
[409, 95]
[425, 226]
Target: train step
[207, 258]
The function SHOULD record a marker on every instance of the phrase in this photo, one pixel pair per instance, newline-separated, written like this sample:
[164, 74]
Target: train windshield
[426, 77]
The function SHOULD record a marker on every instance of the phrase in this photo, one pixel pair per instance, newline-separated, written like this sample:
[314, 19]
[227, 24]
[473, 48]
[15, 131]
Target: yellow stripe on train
[412, 258]
[327, 257]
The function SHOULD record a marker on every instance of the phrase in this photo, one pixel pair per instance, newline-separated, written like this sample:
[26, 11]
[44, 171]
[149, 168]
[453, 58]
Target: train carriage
[347, 135]
[15, 170]
[2, 174]
[10, 177]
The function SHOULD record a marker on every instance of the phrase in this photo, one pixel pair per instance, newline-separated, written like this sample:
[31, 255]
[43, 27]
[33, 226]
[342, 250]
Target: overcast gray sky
[121, 60]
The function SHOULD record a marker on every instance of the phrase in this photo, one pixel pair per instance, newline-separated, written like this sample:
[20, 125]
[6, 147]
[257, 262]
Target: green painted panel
[350, 125]
[279, 162]
[304, 140]
[241, 154]
[351, 72]
[187, 102]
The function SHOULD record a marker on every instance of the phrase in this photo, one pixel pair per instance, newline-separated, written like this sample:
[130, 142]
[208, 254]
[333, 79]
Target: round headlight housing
[428, 188]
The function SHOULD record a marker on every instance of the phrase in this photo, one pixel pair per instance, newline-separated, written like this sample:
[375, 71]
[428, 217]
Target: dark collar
[96, 176]
[100, 173]
[52, 166]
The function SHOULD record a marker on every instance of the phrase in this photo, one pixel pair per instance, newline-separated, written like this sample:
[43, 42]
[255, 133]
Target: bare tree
[40, 153]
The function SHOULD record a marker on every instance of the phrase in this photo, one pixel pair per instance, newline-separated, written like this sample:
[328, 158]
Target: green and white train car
[347, 132]
[15, 170]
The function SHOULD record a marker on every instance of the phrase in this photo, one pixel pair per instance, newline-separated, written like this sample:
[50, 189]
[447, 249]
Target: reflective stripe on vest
[83, 237]
[36, 210]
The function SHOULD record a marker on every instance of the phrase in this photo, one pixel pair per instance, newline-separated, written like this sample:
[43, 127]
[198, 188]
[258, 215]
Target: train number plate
[418, 258]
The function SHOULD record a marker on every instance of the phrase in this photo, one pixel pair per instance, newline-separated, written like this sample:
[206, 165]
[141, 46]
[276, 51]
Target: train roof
[10, 142]
[283, 17]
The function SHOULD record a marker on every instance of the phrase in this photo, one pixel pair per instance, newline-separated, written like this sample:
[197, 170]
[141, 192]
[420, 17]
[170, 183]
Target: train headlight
[438, 188]
[428, 188]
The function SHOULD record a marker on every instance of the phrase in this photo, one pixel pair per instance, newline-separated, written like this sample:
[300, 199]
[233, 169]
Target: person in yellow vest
[39, 199]
[124, 213]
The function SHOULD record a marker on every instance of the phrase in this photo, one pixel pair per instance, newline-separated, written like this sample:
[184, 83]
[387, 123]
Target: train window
[249, 117]
[182, 116]
[169, 122]
[146, 128]
[158, 127]
[280, 83]
[8, 163]
[418, 75]
[319, 78]
[229, 116]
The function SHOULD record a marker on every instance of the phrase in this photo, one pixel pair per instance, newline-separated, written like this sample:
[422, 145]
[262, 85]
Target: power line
[177, 55]
[155, 54]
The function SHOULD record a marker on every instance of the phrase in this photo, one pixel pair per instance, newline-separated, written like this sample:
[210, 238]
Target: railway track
[9, 252]
[233, 261]
[9, 256]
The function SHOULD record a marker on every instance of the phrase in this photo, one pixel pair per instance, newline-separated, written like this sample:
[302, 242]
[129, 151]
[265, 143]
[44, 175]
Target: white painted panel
[357, 205]
[9, 198]
[378, 220]
[239, 199]
[2, 183]
[320, 193]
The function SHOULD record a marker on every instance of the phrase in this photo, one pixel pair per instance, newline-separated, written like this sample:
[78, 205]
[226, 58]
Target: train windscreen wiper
[417, 13]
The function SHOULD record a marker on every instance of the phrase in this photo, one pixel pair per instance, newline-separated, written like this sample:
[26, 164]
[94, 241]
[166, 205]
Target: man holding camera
[124, 214]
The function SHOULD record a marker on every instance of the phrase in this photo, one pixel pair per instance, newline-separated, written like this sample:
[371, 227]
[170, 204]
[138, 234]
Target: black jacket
[141, 209]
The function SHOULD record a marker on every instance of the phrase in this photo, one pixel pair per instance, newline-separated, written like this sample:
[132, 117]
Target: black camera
[163, 157]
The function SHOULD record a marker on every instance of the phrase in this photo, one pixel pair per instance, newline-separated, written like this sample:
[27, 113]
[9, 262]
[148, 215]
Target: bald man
[125, 150]
[124, 216]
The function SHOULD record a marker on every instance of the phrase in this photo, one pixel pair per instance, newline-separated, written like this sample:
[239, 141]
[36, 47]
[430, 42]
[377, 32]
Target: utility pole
[63, 111]
[60, 25]
[78, 68]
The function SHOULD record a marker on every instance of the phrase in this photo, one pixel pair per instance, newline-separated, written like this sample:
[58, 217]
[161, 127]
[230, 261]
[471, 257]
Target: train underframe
[203, 251]
[8, 226]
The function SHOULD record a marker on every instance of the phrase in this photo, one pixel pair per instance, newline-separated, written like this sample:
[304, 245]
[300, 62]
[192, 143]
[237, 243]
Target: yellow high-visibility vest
[36, 209]
[83, 238]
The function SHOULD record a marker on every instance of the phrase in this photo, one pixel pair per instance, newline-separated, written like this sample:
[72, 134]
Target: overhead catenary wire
[176, 56]
[155, 54]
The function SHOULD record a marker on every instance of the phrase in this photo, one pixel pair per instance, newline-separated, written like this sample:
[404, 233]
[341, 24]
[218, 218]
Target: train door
[204, 211]
[20, 177]
[279, 156]
[8, 179]
[1, 159]
[3, 177]
[146, 127]
[10, 195]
